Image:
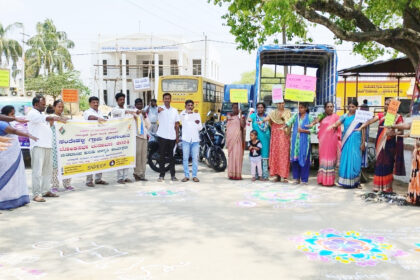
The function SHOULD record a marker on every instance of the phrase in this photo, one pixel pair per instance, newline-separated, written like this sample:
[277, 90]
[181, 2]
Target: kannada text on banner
[89, 147]
[300, 88]
[238, 95]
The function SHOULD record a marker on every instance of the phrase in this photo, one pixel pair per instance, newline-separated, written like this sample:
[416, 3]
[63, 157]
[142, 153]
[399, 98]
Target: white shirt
[146, 125]
[40, 128]
[190, 129]
[152, 113]
[90, 112]
[118, 112]
[167, 119]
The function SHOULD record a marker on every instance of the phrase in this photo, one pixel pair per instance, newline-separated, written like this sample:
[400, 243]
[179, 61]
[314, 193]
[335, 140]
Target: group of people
[43, 146]
[280, 140]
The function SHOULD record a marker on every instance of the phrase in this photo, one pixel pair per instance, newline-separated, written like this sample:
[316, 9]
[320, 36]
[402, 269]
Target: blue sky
[84, 20]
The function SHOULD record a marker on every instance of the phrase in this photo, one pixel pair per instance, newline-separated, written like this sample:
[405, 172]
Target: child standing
[254, 147]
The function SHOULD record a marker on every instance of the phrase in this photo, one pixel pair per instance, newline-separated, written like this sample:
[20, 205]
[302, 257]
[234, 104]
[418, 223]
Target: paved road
[215, 229]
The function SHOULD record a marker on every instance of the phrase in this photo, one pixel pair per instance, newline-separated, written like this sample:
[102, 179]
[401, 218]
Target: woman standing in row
[279, 159]
[389, 152]
[235, 142]
[263, 130]
[300, 151]
[352, 145]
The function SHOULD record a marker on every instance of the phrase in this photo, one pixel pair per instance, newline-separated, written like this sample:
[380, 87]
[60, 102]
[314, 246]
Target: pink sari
[329, 148]
[234, 143]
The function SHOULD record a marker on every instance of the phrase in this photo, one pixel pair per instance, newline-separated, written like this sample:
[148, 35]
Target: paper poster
[89, 147]
[277, 94]
[300, 88]
[391, 114]
[238, 95]
[415, 128]
[363, 116]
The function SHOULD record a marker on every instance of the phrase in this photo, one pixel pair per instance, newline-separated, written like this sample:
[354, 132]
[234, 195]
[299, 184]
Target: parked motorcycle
[212, 141]
[153, 154]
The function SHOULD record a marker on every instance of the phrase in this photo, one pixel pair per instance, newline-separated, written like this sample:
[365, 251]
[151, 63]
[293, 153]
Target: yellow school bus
[374, 92]
[206, 94]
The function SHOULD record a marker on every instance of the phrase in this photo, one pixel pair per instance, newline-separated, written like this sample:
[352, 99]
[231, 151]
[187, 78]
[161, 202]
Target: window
[128, 97]
[104, 67]
[174, 67]
[105, 97]
[196, 66]
[209, 92]
[160, 69]
[180, 85]
[145, 68]
[127, 69]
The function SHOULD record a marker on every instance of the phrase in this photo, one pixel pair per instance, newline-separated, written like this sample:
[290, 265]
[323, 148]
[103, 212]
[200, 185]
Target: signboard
[300, 88]
[363, 116]
[69, 95]
[277, 94]
[5, 78]
[141, 84]
[415, 128]
[238, 95]
[391, 114]
[89, 147]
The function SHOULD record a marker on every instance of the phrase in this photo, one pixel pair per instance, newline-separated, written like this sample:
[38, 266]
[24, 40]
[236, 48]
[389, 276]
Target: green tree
[48, 51]
[268, 79]
[55, 82]
[372, 25]
[9, 49]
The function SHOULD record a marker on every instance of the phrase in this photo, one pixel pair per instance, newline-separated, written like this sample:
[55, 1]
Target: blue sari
[263, 131]
[351, 155]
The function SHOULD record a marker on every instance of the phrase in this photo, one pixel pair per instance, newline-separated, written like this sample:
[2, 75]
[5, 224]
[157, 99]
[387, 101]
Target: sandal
[195, 179]
[185, 179]
[285, 180]
[50, 194]
[38, 199]
[101, 182]
[91, 185]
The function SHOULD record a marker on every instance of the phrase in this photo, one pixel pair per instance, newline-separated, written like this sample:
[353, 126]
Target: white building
[150, 56]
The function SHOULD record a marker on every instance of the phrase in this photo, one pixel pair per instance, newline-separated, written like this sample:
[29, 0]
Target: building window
[160, 68]
[104, 67]
[105, 97]
[127, 68]
[145, 68]
[174, 67]
[196, 66]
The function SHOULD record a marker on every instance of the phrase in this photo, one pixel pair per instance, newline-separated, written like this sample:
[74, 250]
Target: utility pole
[205, 55]
[23, 61]
[284, 43]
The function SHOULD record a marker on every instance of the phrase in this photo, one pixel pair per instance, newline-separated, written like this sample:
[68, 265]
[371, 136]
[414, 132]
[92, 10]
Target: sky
[84, 20]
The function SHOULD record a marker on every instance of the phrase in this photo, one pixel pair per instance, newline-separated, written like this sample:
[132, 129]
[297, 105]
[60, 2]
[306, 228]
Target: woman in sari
[263, 129]
[13, 188]
[279, 158]
[300, 150]
[389, 152]
[58, 107]
[352, 145]
[235, 143]
[329, 145]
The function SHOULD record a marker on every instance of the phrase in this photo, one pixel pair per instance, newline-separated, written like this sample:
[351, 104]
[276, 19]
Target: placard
[141, 84]
[70, 95]
[363, 116]
[415, 128]
[391, 113]
[4, 78]
[277, 94]
[238, 95]
[300, 88]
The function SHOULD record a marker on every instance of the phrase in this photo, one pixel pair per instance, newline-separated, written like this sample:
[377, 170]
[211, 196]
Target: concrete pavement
[215, 229]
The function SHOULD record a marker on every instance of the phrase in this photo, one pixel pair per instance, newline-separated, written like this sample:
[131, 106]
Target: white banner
[363, 116]
[141, 84]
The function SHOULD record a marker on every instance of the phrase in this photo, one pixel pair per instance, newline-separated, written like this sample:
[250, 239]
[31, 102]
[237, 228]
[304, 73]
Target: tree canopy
[372, 25]
[9, 49]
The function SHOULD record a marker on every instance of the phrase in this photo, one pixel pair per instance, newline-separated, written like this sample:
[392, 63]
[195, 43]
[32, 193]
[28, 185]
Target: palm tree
[48, 50]
[9, 48]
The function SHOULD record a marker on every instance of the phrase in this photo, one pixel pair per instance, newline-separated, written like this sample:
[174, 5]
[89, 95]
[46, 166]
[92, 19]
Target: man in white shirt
[120, 112]
[168, 135]
[41, 157]
[93, 114]
[143, 124]
[191, 126]
[152, 114]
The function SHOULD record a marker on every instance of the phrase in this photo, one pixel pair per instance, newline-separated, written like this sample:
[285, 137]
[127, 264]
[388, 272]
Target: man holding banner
[389, 148]
[93, 114]
[143, 125]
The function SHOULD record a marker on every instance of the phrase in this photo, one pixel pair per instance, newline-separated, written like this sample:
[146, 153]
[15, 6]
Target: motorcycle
[153, 154]
[212, 141]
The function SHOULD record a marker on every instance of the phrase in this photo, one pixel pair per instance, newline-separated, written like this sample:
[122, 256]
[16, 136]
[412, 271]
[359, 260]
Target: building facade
[117, 61]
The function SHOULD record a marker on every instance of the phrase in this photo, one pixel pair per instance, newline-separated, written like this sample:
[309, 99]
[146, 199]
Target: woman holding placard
[300, 150]
[329, 145]
[279, 159]
[352, 145]
[263, 129]
[389, 148]
[235, 142]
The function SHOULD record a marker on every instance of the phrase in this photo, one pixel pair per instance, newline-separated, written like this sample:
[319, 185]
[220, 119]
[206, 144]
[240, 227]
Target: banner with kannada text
[89, 147]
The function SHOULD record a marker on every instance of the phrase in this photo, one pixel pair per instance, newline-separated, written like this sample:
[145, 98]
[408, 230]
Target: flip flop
[101, 182]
